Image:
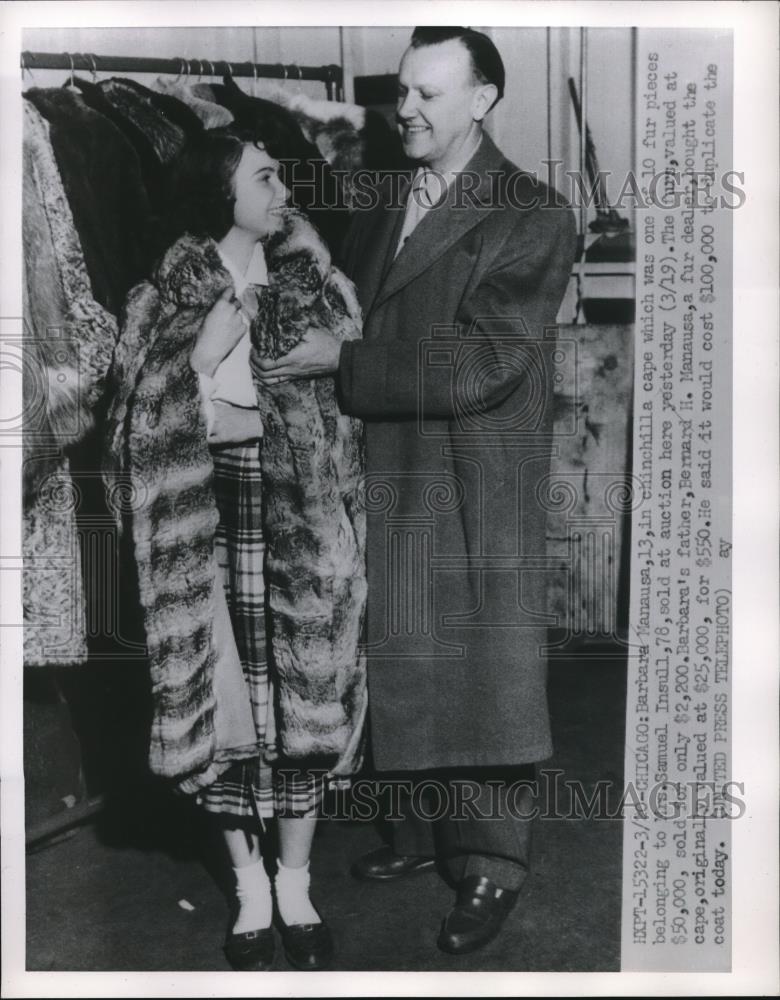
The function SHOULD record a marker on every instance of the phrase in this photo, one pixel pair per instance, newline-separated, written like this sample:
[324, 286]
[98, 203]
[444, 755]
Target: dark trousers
[475, 821]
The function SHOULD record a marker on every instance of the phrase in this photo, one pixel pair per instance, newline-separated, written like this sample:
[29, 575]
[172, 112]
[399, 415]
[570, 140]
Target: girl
[186, 430]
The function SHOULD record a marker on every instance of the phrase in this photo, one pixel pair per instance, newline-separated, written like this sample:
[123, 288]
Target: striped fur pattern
[312, 461]
[174, 520]
[157, 438]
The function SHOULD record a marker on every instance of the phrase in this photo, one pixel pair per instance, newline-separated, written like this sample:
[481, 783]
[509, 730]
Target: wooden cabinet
[590, 490]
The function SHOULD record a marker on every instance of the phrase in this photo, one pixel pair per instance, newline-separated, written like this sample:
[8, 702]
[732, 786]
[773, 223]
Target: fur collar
[191, 273]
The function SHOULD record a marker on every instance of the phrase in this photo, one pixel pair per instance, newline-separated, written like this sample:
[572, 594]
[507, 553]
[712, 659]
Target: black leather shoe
[251, 951]
[308, 947]
[477, 917]
[384, 865]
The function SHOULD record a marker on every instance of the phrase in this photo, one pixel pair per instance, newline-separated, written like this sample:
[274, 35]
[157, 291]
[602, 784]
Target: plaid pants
[251, 786]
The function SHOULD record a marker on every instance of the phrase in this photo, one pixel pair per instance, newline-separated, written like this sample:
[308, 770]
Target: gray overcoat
[453, 378]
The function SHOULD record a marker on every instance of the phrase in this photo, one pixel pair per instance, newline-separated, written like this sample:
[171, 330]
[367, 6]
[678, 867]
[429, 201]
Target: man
[458, 279]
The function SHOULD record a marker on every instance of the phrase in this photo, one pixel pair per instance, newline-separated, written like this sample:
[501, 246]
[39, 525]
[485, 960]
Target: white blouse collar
[256, 272]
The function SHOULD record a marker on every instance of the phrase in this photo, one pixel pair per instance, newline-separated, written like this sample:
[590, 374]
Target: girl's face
[260, 193]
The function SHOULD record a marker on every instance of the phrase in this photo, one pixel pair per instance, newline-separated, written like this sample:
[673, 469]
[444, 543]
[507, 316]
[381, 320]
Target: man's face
[438, 102]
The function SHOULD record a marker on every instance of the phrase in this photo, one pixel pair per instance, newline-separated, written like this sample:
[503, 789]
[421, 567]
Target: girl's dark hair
[201, 182]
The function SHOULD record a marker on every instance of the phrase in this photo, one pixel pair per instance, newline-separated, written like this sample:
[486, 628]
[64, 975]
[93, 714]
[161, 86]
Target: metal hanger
[27, 69]
[71, 84]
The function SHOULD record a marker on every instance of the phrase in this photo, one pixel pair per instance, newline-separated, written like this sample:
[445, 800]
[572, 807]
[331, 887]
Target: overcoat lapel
[393, 234]
[443, 226]
[377, 256]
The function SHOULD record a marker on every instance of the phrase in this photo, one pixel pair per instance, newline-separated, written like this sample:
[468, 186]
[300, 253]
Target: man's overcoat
[454, 380]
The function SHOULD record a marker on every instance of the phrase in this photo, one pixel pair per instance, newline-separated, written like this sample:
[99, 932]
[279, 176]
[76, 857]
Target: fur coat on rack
[156, 440]
[67, 347]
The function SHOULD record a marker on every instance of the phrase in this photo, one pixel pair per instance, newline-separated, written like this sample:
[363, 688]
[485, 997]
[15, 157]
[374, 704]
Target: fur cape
[314, 521]
[157, 443]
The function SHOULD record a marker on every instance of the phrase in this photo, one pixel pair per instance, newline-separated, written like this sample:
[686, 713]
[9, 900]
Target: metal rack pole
[331, 75]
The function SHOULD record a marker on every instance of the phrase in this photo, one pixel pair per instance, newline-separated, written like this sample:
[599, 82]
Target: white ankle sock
[253, 892]
[292, 896]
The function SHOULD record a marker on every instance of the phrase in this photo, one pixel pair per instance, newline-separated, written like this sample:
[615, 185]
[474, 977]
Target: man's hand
[317, 354]
[223, 327]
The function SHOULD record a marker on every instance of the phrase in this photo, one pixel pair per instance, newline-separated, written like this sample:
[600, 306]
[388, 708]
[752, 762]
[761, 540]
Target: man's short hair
[486, 63]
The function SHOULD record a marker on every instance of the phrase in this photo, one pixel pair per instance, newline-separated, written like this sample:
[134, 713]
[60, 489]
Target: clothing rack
[331, 75]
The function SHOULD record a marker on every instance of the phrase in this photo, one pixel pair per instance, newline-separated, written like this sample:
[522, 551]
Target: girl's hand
[223, 327]
[317, 354]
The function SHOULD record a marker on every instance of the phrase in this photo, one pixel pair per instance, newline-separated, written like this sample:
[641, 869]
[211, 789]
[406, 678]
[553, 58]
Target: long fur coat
[157, 442]
[67, 347]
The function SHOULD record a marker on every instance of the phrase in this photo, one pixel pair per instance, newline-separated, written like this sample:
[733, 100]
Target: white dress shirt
[428, 189]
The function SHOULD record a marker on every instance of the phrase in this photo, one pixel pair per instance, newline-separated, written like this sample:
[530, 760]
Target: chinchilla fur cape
[160, 465]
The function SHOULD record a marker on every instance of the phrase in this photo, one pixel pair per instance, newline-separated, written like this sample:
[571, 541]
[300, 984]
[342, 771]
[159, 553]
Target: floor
[135, 889]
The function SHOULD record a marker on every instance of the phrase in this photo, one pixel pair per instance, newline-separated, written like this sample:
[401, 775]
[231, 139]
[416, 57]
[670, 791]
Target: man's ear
[483, 100]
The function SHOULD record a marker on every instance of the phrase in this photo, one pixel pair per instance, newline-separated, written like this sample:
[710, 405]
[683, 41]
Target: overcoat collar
[467, 201]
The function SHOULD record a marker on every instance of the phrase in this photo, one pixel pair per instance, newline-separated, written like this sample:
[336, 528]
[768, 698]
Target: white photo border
[755, 499]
